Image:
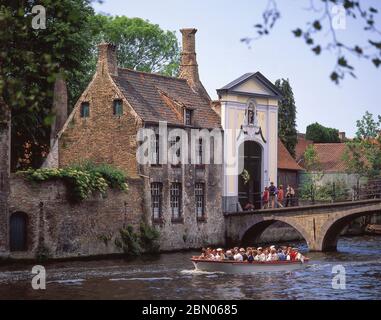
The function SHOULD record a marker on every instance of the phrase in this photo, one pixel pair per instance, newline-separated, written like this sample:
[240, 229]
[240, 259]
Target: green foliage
[141, 45]
[32, 58]
[129, 241]
[311, 160]
[81, 180]
[312, 190]
[320, 134]
[134, 244]
[363, 154]
[149, 237]
[245, 176]
[287, 116]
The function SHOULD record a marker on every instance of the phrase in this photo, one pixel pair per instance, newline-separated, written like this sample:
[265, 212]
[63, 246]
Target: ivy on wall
[82, 180]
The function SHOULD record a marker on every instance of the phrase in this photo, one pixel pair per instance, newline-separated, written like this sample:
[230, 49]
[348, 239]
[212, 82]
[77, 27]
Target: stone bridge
[320, 225]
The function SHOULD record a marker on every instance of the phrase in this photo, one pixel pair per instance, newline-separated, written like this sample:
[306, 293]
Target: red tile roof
[330, 156]
[285, 160]
[301, 146]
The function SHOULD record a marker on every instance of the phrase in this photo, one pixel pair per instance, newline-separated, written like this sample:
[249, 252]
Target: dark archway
[333, 231]
[253, 234]
[250, 191]
[18, 231]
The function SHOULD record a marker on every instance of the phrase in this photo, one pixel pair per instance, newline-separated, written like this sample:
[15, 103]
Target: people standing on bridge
[266, 198]
[280, 196]
[273, 192]
[290, 193]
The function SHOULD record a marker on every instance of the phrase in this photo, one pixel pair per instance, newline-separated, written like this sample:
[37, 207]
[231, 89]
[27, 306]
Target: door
[18, 231]
[249, 188]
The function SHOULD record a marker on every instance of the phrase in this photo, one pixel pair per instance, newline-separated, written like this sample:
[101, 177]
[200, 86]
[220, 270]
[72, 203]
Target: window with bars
[156, 199]
[199, 151]
[175, 200]
[175, 141]
[85, 109]
[118, 107]
[155, 151]
[200, 200]
[188, 113]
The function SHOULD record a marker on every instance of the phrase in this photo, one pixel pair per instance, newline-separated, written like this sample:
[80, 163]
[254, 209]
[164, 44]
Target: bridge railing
[329, 193]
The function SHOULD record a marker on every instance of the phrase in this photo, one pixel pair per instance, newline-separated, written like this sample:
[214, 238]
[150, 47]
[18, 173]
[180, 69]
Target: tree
[320, 33]
[363, 154]
[31, 58]
[141, 45]
[313, 175]
[287, 116]
[320, 134]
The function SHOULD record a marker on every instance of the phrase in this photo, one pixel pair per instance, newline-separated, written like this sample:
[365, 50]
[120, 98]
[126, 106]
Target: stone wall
[73, 230]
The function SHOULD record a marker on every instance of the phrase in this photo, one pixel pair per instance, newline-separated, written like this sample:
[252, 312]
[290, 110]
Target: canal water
[171, 276]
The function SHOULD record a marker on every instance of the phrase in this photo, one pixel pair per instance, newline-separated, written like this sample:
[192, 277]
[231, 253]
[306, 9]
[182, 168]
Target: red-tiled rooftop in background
[285, 160]
[330, 156]
[144, 92]
[301, 146]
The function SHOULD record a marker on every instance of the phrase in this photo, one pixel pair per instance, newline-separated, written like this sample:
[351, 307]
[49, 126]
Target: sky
[222, 57]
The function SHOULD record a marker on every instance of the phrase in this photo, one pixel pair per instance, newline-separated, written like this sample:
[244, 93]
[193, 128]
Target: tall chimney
[342, 136]
[59, 107]
[189, 66]
[107, 61]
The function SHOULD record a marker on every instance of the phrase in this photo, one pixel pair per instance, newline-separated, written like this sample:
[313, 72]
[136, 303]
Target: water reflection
[171, 276]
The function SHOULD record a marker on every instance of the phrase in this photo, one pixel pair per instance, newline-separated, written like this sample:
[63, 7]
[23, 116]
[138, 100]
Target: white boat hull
[245, 267]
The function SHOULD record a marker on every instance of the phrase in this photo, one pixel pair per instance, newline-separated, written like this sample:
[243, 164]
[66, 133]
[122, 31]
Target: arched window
[18, 231]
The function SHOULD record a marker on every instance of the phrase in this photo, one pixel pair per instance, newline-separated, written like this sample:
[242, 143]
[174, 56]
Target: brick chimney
[59, 107]
[107, 61]
[189, 66]
[342, 136]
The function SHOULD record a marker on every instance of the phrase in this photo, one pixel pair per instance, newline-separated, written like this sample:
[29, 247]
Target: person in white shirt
[273, 256]
[261, 256]
[237, 256]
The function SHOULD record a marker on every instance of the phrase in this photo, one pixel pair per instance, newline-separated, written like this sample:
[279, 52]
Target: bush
[82, 180]
[149, 237]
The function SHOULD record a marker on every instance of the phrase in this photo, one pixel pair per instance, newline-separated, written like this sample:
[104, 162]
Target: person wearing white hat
[261, 256]
[242, 251]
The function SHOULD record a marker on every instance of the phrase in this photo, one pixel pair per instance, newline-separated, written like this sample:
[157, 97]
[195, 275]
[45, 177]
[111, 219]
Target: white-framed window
[156, 199]
[175, 199]
[200, 199]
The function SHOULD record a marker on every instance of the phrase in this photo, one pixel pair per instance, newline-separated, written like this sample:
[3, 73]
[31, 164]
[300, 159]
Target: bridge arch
[332, 229]
[253, 232]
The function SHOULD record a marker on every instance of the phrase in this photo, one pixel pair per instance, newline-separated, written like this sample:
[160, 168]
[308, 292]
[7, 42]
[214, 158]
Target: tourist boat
[237, 267]
[373, 229]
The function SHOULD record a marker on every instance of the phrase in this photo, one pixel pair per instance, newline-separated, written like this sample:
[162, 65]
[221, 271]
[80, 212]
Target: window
[200, 200]
[175, 200]
[85, 110]
[155, 151]
[199, 151]
[175, 157]
[188, 117]
[118, 107]
[156, 199]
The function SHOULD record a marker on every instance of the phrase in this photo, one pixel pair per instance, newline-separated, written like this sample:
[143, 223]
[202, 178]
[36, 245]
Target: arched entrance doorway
[18, 231]
[249, 182]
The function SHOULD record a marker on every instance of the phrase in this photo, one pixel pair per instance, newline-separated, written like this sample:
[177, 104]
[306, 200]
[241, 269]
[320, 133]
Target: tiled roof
[301, 146]
[285, 160]
[330, 156]
[154, 97]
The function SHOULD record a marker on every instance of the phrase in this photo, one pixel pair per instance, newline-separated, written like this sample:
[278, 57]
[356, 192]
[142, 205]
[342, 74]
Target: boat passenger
[250, 257]
[261, 256]
[237, 256]
[242, 251]
[293, 254]
[220, 254]
[273, 256]
[229, 255]
[298, 256]
[281, 255]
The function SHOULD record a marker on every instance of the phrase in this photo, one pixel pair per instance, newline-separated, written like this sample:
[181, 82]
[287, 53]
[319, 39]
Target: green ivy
[82, 180]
